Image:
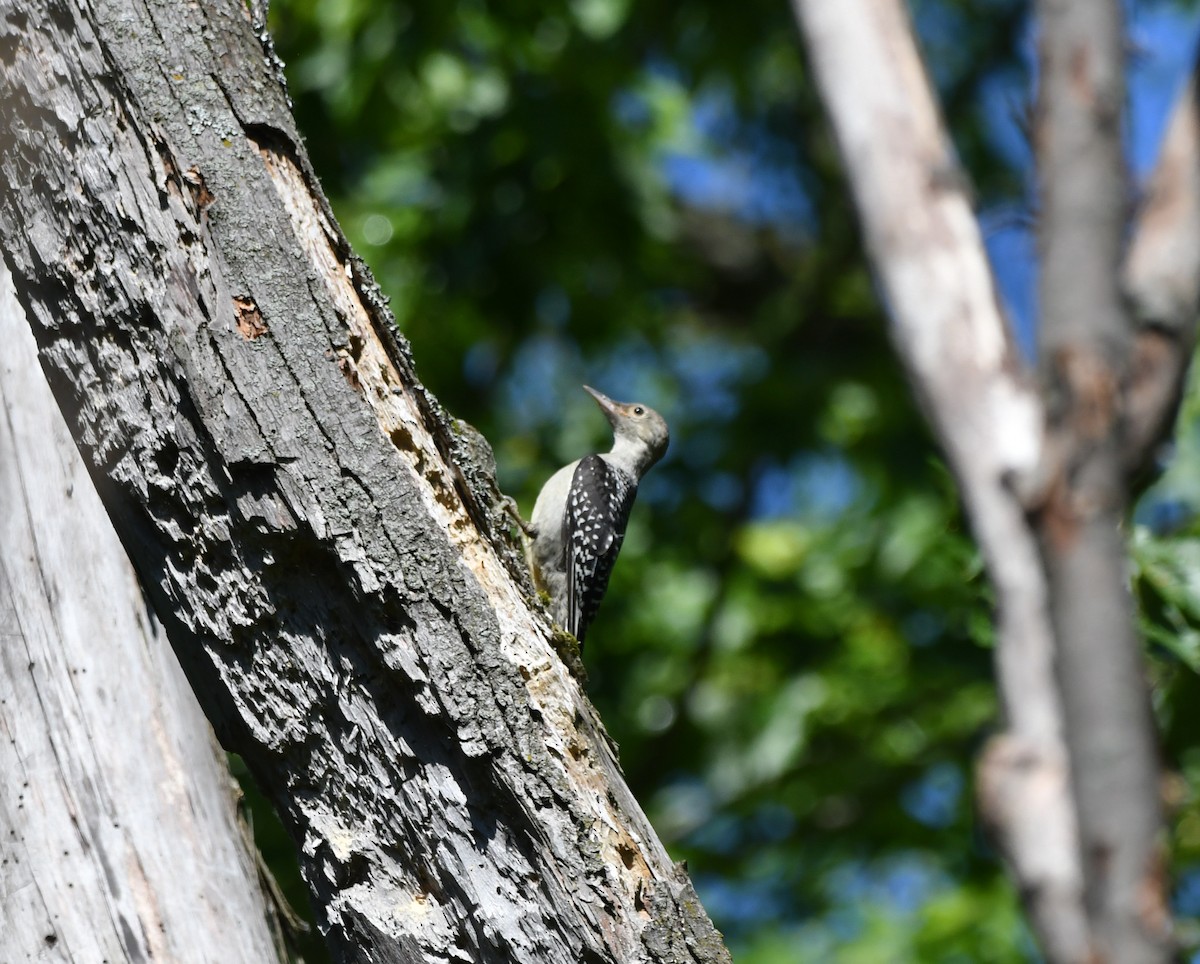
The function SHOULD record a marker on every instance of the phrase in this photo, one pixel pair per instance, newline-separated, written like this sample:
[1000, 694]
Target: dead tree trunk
[119, 838]
[320, 540]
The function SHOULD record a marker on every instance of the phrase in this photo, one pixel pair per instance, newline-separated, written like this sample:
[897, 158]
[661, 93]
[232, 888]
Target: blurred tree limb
[1071, 787]
[1161, 276]
[1086, 340]
[317, 536]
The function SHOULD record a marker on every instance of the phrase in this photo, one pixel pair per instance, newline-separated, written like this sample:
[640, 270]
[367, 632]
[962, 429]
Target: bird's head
[633, 422]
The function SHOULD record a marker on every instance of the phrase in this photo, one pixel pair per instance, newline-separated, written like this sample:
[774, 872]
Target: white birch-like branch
[929, 257]
[1162, 282]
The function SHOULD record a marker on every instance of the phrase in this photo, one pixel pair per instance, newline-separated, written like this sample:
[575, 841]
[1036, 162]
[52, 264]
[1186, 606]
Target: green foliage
[794, 654]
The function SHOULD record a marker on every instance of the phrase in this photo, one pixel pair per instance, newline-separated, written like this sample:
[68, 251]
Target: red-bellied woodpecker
[579, 519]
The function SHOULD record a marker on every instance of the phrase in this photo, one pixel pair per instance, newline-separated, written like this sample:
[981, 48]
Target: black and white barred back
[598, 508]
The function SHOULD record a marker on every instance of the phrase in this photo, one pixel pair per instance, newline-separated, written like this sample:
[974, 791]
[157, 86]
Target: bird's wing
[598, 507]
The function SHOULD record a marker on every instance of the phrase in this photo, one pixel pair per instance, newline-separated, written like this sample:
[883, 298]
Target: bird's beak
[607, 405]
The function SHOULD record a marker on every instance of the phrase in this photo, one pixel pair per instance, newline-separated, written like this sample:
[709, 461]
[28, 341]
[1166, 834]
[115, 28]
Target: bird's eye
[638, 410]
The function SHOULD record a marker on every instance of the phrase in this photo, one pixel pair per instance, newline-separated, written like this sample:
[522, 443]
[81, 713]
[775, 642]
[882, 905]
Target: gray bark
[119, 838]
[1086, 342]
[319, 539]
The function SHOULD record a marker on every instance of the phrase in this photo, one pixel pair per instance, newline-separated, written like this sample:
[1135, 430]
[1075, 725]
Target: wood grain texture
[320, 540]
[119, 838]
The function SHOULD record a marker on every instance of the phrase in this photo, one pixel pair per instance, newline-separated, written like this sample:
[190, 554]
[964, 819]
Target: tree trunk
[1086, 342]
[323, 544]
[125, 848]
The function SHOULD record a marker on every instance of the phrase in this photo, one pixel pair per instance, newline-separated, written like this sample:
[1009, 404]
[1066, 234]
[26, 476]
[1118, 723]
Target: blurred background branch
[926, 247]
[1086, 343]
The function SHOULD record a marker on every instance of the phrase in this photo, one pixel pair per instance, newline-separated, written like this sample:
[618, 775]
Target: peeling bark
[110, 849]
[323, 544]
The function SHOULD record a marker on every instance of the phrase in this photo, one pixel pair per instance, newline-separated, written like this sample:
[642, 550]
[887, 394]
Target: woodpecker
[579, 518]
